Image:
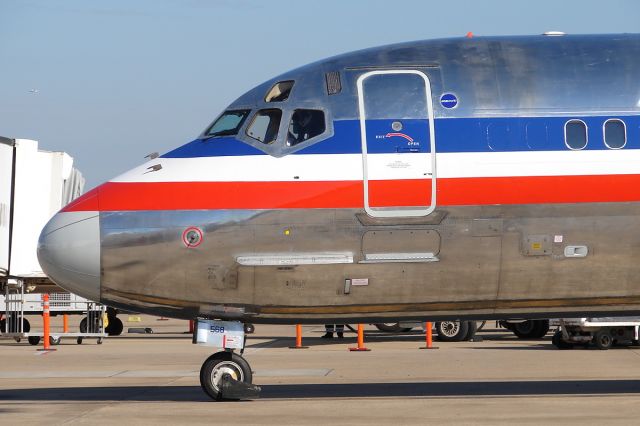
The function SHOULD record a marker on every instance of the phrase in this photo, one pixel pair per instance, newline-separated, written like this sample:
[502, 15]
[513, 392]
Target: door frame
[399, 211]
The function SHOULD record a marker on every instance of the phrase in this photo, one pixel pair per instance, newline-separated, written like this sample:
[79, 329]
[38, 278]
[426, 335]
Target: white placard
[360, 281]
[220, 334]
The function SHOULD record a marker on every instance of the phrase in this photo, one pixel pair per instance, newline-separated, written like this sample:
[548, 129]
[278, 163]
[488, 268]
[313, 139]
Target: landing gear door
[398, 143]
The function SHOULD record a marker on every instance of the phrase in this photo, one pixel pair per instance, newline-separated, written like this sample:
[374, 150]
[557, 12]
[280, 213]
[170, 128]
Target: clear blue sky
[119, 79]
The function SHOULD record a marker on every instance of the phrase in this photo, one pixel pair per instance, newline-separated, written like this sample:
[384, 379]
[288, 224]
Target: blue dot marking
[449, 100]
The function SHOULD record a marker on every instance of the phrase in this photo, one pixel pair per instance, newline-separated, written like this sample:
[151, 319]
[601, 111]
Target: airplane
[460, 178]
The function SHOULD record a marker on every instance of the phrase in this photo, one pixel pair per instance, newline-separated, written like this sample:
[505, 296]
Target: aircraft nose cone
[69, 252]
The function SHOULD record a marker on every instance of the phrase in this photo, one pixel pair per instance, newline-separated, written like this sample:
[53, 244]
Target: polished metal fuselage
[492, 261]
[483, 270]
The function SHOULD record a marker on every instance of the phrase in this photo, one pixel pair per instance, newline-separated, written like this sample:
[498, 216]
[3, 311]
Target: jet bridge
[34, 185]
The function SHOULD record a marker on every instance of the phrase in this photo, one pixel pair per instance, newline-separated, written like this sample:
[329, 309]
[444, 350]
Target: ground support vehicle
[603, 333]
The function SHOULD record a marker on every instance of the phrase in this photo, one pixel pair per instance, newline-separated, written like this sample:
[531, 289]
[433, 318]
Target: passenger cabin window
[227, 124]
[264, 126]
[279, 92]
[615, 133]
[575, 134]
[305, 124]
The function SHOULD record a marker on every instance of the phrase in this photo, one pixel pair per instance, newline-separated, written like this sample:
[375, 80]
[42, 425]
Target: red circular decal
[192, 237]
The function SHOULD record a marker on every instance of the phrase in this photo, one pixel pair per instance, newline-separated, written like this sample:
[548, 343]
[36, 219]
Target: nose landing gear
[225, 375]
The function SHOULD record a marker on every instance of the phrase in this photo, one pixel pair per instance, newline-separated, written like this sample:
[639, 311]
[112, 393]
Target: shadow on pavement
[347, 390]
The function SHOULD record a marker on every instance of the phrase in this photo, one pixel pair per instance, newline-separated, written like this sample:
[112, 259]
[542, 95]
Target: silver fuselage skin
[487, 259]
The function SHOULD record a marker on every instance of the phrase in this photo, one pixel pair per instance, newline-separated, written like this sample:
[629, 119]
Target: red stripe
[117, 196]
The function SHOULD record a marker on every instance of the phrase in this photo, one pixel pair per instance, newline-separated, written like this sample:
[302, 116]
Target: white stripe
[345, 167]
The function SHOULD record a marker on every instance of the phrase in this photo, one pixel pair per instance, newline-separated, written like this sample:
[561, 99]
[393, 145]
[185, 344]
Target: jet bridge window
[280, 91]
[264, 126]
[575, 134]
[615, 133]
[305, 124]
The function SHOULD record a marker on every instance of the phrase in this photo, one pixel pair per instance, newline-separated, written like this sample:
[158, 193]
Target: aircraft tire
[452, 331]
[83, 324]
[525, 330]
[531, 329]
[217, 365]
[542, 329]
[115, 327]
[389, 327]
[473, 328]
[603, 340]
[506, 324]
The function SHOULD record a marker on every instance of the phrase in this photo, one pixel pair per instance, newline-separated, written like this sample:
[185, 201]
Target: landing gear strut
[225, 375]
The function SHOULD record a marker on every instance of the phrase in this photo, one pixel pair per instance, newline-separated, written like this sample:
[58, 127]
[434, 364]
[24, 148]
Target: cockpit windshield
[227, 124]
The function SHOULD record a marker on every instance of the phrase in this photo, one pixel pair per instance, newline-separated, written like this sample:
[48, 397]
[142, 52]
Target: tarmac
[153, 379]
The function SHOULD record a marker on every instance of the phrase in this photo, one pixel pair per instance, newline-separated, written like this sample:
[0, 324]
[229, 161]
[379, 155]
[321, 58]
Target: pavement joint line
[168, 374]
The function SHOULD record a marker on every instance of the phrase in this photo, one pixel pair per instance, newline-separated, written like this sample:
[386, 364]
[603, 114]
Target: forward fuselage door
[398, 143]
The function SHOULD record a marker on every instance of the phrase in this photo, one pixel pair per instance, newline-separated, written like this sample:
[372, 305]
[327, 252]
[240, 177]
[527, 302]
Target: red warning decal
[192, 237]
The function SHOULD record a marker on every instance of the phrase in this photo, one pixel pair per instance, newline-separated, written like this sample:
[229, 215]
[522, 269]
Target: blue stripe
[452, 135]
[213, 147]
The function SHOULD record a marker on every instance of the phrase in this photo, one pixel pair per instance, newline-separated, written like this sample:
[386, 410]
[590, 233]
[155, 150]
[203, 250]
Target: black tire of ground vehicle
[452, 331]
[54, 340]
[559, 342]
[115, 327]
[473, 328]
[218, 364]
[603, 339]
[34, 340]
[389, 327]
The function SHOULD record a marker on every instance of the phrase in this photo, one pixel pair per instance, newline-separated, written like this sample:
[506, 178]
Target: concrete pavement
[153, 379]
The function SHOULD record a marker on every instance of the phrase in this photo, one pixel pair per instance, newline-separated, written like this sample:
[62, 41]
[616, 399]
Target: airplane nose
[69, 252]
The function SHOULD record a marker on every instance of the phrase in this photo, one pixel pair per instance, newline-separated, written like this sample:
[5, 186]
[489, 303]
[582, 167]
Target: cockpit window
[228, 123]
[305, 124]
[279, 92]
[265, 125]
